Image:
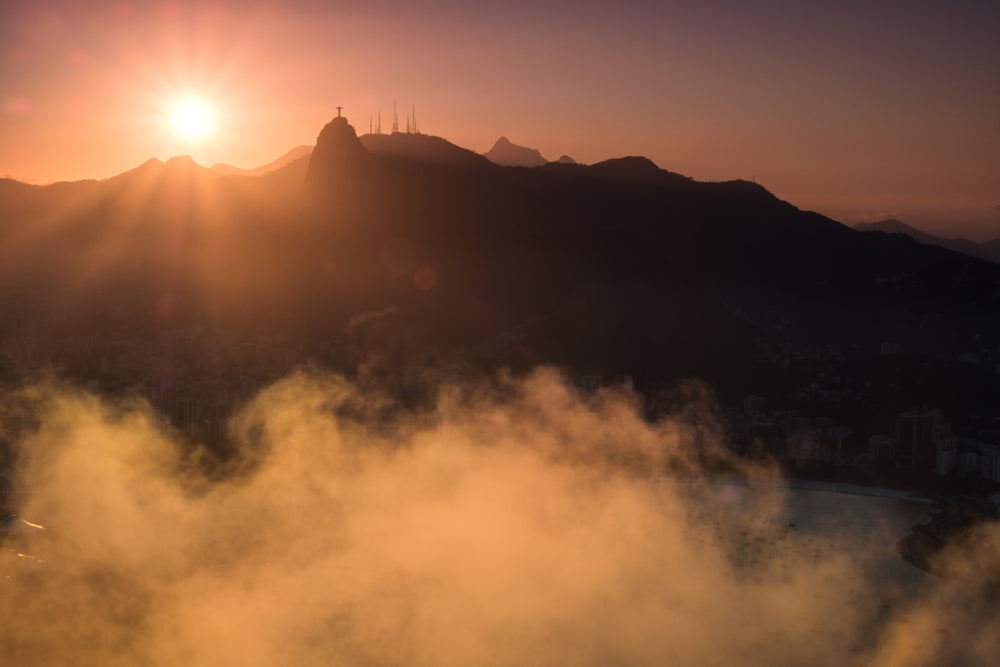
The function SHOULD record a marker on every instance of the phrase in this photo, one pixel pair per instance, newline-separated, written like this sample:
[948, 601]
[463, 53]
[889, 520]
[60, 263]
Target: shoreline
[845, 488]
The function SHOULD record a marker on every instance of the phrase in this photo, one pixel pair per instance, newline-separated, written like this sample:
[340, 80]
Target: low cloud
[370, 316]
[514, 522]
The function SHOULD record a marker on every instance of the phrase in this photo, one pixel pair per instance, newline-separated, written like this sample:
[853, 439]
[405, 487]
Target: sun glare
[192, 119]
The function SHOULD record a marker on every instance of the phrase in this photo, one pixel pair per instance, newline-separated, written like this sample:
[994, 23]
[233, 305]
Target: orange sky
[835, 106]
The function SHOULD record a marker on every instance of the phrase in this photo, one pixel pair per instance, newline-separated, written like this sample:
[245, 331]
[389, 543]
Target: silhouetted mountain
[226, 169]
[508, 154]
[408, 250]
[296, 153]
[338, 155]
[150, 166]
[293, 155]
[988, 251]
[11, 189]
[565, 159]
[422, 147]
[991, 250]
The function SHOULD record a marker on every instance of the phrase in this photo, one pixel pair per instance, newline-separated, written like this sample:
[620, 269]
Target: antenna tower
[415, 130]
[395, 118]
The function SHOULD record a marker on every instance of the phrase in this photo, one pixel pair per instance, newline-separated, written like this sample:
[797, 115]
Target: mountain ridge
[290, 156]
[989, 250]
[508, 154]
[423, 147]
[620, 267]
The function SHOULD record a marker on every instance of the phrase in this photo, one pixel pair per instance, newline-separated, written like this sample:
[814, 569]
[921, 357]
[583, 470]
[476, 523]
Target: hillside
[296, 153]
[989, 251]
[405, 250]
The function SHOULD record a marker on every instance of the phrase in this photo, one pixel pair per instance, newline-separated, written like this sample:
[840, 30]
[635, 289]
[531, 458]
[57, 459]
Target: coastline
[816, 485]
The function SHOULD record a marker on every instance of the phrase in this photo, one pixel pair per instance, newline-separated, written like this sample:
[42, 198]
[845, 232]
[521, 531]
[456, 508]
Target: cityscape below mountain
[402, 256]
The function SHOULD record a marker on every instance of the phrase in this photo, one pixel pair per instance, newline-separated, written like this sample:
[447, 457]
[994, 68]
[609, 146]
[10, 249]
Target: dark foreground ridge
[401, 255]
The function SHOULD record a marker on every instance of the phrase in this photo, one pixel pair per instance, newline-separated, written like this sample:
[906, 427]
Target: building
[947, 461]
[968, 464]
[881, 450]
[752, 404]
[989, 462]
[916, 434]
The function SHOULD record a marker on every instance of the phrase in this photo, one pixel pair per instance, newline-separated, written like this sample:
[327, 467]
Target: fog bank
[516, 522]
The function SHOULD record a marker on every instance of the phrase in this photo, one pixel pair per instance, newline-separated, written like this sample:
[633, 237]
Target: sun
[192, 119]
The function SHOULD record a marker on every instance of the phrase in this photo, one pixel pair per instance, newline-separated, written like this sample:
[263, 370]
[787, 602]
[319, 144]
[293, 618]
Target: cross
[338, 111]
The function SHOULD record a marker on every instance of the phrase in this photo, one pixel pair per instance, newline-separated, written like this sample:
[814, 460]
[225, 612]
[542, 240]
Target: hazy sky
[855, 109]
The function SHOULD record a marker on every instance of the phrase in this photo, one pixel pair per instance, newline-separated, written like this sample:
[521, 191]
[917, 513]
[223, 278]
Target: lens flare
[192, 119]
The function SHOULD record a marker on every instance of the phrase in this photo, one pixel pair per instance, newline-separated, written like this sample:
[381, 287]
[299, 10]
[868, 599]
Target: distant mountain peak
[224, 169]
[565, 159]
[987, 251]
[889, 225]
[508, 154]
[181, 160]
[894, 226]
[184, 166]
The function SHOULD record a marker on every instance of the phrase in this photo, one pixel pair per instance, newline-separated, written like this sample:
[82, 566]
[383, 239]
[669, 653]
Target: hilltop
[508, 154]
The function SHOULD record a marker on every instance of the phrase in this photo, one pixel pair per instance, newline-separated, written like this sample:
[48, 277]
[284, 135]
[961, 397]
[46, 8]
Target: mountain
[178, 167]
[405, 251]
[296, 153]
[338, 155]
[565, 159]
[989, 251]
[421, 147]
[508, 154]
[226, 169]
